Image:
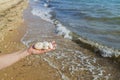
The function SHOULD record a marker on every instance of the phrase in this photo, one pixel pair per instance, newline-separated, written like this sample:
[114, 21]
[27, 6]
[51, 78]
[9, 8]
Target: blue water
[98, 20]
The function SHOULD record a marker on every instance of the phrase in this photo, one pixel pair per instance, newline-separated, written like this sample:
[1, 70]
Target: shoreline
[66, 54]
[50, 66]
[11, 42]
[95, 47]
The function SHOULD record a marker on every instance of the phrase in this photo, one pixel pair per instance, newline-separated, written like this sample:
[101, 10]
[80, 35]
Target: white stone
[43, 45]
[38, 45]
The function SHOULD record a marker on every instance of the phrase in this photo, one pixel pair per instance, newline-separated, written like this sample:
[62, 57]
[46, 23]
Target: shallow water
[93, 19]
[70, 60]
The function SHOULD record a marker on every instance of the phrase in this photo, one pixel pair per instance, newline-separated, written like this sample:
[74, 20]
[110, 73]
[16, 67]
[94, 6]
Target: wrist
[25, 53]
[28, 52]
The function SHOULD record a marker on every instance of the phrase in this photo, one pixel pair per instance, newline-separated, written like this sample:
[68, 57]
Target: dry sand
[10, 16]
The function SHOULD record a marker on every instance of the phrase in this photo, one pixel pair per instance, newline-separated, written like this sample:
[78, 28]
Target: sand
[10, 15]
[33, 67]
[12, 29]
[10, 19]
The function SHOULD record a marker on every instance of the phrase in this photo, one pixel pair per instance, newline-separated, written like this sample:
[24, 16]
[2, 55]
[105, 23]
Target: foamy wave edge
[45, 14]
[96, 47]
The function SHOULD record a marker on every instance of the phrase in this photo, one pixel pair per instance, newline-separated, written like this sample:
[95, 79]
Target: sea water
[97, 20]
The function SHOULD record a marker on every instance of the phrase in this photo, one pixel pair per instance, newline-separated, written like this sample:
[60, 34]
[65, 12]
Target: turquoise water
[98, 20]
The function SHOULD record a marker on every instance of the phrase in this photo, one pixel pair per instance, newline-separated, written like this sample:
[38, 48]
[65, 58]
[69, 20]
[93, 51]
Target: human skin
[9, 59]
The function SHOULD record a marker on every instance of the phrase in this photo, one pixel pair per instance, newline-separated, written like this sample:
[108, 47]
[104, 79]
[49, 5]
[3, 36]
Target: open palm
[32, 50]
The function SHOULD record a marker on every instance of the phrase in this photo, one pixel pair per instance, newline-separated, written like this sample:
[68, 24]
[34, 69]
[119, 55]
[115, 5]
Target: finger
[49, 50]
[44, 51]
[53, 42]
[37, 51]
[55, 45]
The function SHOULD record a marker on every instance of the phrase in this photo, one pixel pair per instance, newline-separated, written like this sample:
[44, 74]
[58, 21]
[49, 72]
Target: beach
[10, 19]
[12, 29]
[70, 61]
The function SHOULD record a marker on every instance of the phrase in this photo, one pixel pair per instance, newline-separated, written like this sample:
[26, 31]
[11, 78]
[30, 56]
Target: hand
[32, 50]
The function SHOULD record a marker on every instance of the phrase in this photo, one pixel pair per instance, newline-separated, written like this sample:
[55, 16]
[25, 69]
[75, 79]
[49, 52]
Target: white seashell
[45, 44]
[38, 45]
[45, 47]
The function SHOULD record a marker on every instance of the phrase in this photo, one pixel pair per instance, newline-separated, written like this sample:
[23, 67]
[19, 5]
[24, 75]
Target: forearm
[9, 59]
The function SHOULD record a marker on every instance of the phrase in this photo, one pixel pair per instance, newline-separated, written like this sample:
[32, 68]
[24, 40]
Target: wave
[45, 13]
[62, 30]
[103, 50]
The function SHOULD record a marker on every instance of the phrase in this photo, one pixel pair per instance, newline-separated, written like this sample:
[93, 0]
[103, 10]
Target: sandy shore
[10, 19]
[35, 67]
[12, 29]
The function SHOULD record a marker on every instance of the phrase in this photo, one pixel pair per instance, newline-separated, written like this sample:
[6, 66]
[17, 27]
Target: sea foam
[61, 30]
[42, 12]
[45, 14]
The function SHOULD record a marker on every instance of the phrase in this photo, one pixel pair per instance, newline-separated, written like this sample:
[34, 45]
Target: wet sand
[68, 62]
[12, 30]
